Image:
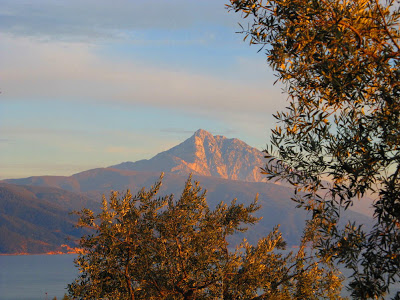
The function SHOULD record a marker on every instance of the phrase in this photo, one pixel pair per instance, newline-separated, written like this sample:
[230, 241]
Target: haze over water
[30, 277]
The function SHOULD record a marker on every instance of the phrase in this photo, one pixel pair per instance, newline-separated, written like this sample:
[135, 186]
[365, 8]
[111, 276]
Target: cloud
[190, 132]
[120, 150]
[103, 19]
[177, 130]
[31, 131]
[73, 72]
[25, 169]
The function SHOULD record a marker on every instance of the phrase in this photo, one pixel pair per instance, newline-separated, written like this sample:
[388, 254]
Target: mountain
[227, 168]
[206, 155]
[37, 220]
[276, 206]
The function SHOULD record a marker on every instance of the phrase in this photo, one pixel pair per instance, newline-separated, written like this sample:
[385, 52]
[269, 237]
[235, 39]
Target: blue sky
[91, 83]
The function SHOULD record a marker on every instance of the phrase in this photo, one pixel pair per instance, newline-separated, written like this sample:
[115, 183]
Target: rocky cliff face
[207, 155]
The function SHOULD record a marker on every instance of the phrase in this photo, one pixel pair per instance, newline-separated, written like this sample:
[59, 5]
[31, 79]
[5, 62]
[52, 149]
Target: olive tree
[150, 247]
[339, 138]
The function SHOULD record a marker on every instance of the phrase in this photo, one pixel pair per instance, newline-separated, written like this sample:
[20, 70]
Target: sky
[92, 83]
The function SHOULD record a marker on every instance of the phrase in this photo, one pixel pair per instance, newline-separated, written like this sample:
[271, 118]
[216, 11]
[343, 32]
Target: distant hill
[36, 219]
[206, 155]
[277, 208]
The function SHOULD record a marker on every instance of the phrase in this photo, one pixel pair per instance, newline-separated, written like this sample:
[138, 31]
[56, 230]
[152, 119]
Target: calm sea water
[30, 277]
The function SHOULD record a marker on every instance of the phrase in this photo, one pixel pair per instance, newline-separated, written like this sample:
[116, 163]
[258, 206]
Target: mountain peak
[207, 155]
[201, 133]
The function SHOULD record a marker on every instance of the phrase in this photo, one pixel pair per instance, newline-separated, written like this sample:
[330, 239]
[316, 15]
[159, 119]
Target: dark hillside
[37, 219]
[276, 206]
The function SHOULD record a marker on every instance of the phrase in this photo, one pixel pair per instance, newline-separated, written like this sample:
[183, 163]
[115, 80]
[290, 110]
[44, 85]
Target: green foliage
[149, 247]
[339, 138]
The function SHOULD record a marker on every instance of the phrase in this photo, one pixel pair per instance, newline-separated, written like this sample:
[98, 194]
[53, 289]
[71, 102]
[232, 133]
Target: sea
[36, 277]
[43, 277]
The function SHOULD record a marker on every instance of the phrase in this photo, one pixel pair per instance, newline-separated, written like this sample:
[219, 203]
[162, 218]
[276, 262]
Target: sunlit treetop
[339, 137]
[149, 247]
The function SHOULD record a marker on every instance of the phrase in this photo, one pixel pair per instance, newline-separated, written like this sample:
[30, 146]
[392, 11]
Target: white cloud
[99, 19]
[72, 72]
[120, 150]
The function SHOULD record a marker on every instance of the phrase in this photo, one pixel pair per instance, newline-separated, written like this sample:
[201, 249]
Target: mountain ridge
[275, 200]
[208, 158]
[206, 155]
[37, 219]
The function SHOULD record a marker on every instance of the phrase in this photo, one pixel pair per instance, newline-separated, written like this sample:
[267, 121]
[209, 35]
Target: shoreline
[46, 253]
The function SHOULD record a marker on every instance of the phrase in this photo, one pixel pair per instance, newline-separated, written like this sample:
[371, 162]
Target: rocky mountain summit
[206, 155]
[34, 211]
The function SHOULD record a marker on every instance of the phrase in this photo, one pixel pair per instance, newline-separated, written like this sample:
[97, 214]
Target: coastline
[68, 250]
